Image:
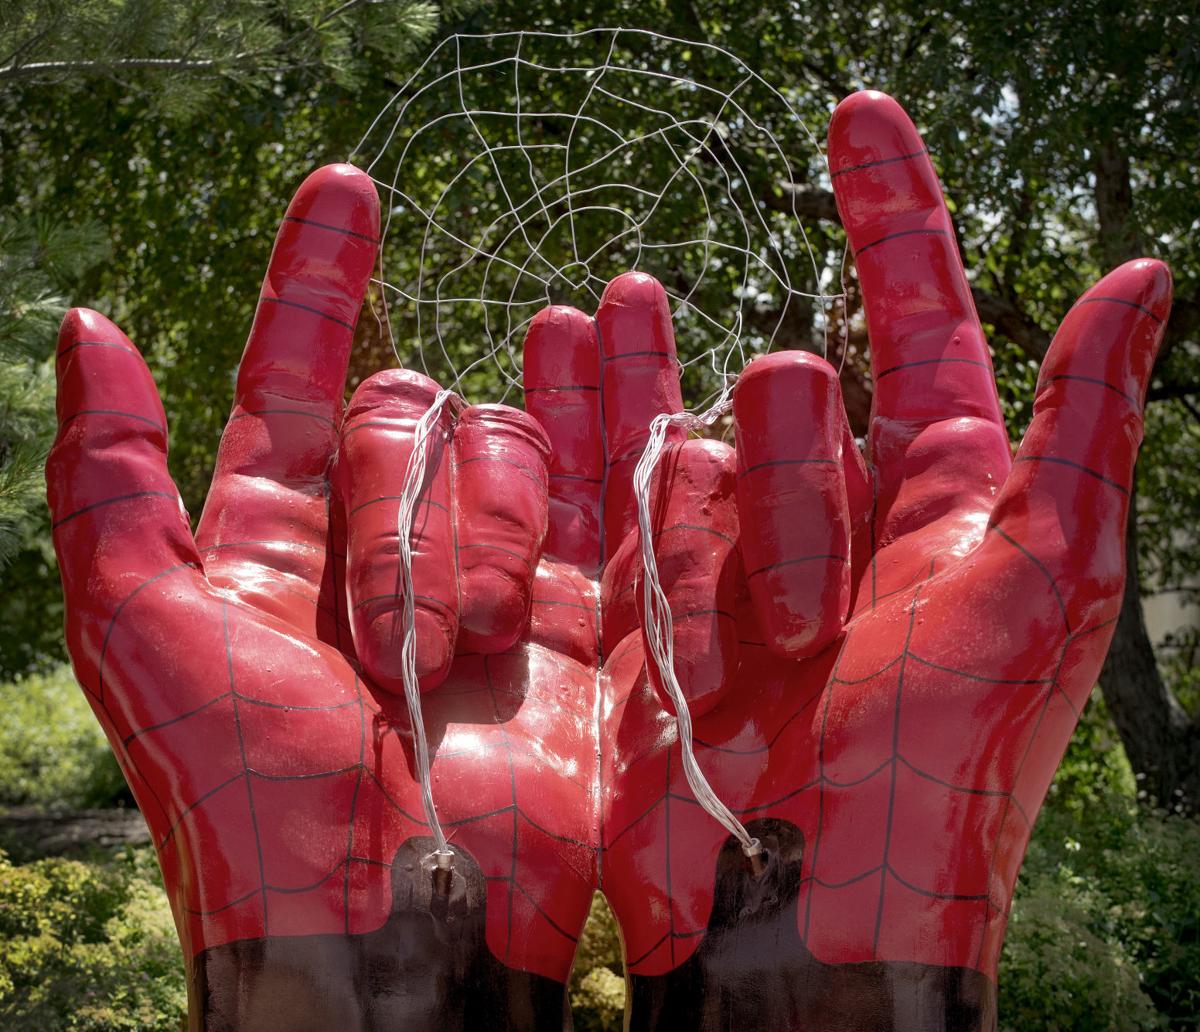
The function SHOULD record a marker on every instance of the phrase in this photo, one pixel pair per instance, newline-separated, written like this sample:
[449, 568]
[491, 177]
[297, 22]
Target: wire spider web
[523, 169]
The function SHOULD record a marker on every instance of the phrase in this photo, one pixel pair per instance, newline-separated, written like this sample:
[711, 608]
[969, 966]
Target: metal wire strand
[708, 133]
[658, 624]
[410, 493]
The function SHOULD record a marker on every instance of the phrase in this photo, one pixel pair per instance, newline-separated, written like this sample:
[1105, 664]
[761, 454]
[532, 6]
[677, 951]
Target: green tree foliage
[39, 261]
[143, 168]
[598, 978]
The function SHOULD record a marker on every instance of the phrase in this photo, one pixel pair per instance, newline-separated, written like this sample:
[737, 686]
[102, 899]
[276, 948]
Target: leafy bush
[88, 947]
[598, 980]
[52, 751]
[598, 1002]
[1058, 975]
[1105, 929]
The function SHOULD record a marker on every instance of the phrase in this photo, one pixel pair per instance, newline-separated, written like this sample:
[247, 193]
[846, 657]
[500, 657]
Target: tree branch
[1184, 324]
[810, 201]
[179, 64]
[1011, 320]
[1190, 407]
[34, 69]
[835, 86]
[1169, 390]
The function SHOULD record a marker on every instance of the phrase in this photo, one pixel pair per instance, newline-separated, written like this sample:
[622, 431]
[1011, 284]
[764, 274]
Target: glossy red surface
[913, 742]
[890, 657]
[269, 754]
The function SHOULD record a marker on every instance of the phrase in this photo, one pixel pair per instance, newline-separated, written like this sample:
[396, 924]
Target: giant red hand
[885, 665]
[892, 762]
[271, 757]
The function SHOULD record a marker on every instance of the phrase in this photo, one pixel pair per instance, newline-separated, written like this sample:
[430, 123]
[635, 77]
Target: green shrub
[598, 980]
[52, 751]
[1105, 929]
[598, 1002]
[88, 947]
[1058, 975]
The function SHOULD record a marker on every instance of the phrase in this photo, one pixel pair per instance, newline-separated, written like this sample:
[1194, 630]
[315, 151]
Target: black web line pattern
[248, 775]
[238, 699]
[262, 872]
[358, 779]
[893, 764]
[885, 870]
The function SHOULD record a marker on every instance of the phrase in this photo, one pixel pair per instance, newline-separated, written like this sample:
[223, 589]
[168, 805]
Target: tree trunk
[1161, 741]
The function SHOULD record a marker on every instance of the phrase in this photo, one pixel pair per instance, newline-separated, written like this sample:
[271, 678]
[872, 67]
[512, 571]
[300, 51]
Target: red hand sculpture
[247, 678]
[886, 672]
[885, 666]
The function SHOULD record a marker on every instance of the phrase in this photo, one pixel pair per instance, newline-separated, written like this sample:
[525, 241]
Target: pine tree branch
[14, 70]
[32, 41]
[337, 12]
[36, 69]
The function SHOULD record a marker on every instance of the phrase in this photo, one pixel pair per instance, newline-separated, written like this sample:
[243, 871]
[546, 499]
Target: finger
[935, 407]
[1046, 587]
[267, 507]
[640, 380]
[620, 588]
[695, 523]
[1065, 504]
[928, 353]
[500, 493]
[562, 392]
[376, 443]
[792, 496]
[854, 466]
[117, 517]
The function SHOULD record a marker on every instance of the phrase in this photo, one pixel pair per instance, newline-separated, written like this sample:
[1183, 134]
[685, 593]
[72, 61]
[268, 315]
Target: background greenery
[147, 148]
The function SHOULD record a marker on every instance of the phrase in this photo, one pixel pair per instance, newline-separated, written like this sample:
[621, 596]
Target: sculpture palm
[886, 669]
